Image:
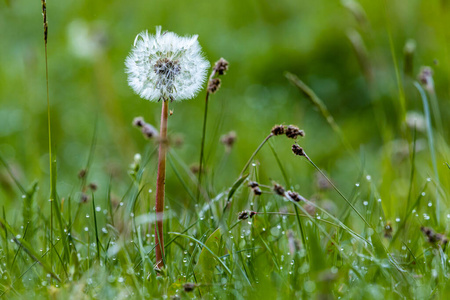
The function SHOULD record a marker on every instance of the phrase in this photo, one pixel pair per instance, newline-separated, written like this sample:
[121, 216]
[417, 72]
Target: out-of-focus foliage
[359, 57]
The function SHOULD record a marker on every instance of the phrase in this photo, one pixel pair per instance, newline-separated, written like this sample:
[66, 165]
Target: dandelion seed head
[166, 66]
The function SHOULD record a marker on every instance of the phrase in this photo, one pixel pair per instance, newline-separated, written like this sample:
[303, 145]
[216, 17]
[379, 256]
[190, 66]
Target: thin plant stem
[52, 157]
[426, 111]
[160, 186]
[202, 147]
[337, 190]
[254, 153]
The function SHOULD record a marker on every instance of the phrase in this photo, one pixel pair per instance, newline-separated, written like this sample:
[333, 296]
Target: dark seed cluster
[221, 67]
[290, 131]
[244, 215]
[255, 187]
[278, 189]
[297, 150]
[214, 85]
[434, 237]
[293, 132]
[147, 130]
[295, 196]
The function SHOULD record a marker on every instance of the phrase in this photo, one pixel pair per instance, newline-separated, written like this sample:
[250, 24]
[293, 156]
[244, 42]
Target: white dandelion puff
[166, 66]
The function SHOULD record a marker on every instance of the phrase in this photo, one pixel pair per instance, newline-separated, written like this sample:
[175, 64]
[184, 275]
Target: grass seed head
[257, 191]
[426, 78]
[214, 85]
[149, 131]
[295, 196]
[82, 173]
[189, 287]
[221, 67]
[278, 130]
[278, 189]
[253, 184]
[293, 132]
[138, 122]
[93, 186]
[228, 139]
[297, 150]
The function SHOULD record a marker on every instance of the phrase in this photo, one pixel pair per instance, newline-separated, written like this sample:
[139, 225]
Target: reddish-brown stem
[160, 185]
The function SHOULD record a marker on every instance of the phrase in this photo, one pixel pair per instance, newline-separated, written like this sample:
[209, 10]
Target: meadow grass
[285, 227]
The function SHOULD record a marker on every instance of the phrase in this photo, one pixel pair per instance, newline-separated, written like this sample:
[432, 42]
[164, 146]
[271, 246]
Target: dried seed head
[295, 196]
[321, 182]
[278, 189]
[189, 287]
[433, 237]
[293, 132]
[195, 169]
[93, 186]
[253, 184]
[243, 215]
[82, 173]
[84, 198]
[297, 150]
[149, 131]
[138, 122]
[213, 85]
[221, 66]
[228, 139]
[257, 191]
[278, 130]
[426, 78]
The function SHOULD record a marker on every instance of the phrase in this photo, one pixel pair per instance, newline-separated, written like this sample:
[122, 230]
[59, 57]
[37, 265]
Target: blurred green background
[345, 51]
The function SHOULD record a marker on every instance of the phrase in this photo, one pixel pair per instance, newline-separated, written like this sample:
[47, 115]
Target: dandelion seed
[166, 66]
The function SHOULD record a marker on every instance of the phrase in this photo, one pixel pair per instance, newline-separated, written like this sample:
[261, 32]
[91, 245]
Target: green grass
[376, 182]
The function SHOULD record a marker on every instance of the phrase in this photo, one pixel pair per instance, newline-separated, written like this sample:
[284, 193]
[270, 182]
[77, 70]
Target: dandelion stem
[160, 185]
[254, 153]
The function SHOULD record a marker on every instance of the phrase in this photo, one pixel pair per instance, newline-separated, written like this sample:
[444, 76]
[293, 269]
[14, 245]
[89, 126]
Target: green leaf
[209, 259]
[236, 185]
